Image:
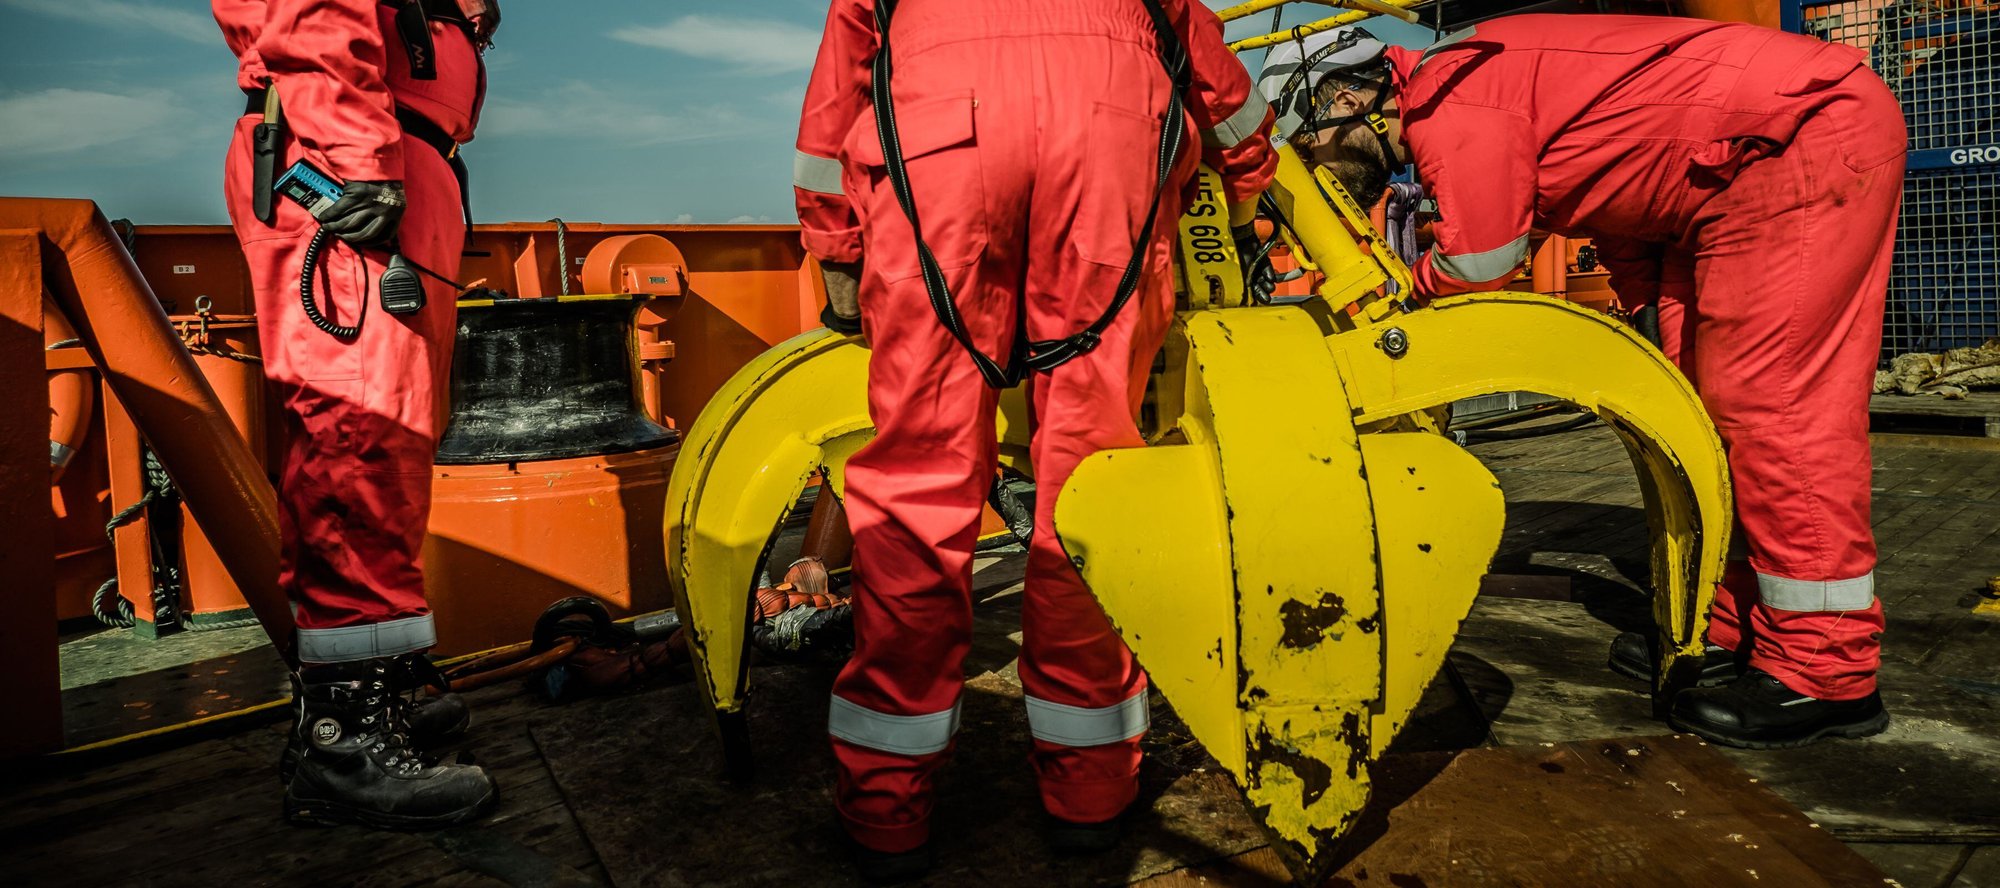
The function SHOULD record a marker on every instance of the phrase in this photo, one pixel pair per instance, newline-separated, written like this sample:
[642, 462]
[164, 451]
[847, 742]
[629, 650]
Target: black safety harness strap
[1045, 354]
[423, 130]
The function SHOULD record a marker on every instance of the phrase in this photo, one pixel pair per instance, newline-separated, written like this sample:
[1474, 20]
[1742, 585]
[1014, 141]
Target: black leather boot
[886, 868]
[1759, 712]
[1632, 656]
[430, 720]
[358, 764]
[1070, 837]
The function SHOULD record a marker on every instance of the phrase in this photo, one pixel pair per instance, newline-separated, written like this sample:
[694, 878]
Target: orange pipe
[99, 289]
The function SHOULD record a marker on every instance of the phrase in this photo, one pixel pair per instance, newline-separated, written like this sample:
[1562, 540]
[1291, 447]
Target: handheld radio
[309, 187]
[402, 291]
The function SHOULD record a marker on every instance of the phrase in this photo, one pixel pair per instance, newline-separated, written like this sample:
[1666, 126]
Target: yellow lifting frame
[1359, 9]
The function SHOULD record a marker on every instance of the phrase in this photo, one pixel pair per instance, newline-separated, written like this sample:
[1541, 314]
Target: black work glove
[1259, 278]
[367, 213]
[836, 323]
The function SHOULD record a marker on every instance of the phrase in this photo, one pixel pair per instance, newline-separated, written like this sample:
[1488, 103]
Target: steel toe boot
[357, 763]
[1632, 656]
[430, 720]
[1758, 712]
[890, 868]
[1070, 837]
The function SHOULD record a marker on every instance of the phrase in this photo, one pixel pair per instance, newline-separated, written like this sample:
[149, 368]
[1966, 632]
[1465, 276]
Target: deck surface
[588, 789]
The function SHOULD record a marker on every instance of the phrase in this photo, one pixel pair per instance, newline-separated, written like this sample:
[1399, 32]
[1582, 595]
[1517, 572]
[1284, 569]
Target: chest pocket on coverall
[941, 154]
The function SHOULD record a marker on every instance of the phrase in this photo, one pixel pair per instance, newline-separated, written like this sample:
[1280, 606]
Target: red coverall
[1031, 129]
[360, 417]
[1747, 181]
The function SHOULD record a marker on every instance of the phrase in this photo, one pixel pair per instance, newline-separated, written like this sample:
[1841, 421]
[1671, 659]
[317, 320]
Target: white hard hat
[1293, 69]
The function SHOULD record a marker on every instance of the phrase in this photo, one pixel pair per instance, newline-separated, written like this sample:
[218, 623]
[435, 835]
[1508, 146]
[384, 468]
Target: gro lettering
[1986, 154]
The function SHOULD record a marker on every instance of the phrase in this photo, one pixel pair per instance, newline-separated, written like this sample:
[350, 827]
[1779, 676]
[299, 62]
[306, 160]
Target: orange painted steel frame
[239, 386]
[66, 249]
[155, 380]
[32, 691]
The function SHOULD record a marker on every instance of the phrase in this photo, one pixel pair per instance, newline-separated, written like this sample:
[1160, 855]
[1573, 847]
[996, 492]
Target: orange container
[507, 540]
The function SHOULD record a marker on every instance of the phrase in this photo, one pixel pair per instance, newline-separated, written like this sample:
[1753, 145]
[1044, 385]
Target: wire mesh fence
[1942, 60]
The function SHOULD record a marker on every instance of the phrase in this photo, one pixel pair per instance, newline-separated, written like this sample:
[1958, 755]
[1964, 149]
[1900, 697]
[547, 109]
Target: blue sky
[598, 110]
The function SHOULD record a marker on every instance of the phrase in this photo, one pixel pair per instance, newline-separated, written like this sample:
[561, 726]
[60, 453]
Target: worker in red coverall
[1744, 180]
[1031, 131]
[376, 94]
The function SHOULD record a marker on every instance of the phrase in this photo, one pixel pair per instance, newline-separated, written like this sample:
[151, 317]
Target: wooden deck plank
[1980, 407]
[1664, 811]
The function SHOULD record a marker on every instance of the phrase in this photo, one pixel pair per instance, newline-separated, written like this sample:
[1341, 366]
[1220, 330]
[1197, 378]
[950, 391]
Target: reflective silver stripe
[815, 173]
[1448, 39]
[1478, 268]
[1814, 596]
[342, 644]
[1239, 126]
[1082, 726]
[59, 454]
[900, 734]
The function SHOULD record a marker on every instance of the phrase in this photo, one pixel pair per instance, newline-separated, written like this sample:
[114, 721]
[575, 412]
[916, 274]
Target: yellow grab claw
[800, 408]
[1292, 563]
[1466, 346]
[742, 464]
[1246, 567]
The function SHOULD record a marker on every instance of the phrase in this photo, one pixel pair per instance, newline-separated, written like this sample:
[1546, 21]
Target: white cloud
[747, 220]
[65, 122]
[764, 45]
[173, 22]
[684, 219]
[577, 109]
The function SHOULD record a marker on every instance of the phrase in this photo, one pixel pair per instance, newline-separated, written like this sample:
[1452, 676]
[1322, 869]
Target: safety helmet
[1294, 70]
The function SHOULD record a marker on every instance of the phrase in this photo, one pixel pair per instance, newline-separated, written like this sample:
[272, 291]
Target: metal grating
[1942, 286]
[1942, 59]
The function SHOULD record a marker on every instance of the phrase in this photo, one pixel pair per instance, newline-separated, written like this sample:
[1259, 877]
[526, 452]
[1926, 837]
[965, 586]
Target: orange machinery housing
[507, 538]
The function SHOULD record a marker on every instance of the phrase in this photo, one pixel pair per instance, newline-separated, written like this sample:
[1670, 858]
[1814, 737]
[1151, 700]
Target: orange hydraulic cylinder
[123, 327]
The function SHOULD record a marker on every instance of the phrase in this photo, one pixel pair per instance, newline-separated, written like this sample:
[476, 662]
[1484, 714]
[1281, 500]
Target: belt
[413, 124]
